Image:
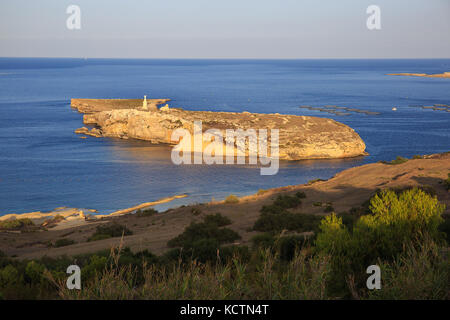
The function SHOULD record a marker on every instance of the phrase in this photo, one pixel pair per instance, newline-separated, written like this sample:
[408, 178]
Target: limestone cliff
[300, 137]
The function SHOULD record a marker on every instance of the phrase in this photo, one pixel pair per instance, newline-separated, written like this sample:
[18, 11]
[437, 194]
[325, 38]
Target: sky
[260, 29]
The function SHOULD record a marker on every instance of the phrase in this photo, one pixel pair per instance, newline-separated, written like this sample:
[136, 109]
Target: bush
[287, 202]
[263, 240]
[110, 231]
[146, 213]
[9, 275]
[420, 273]
[397, 160]
[199, 231]
[300, 195]
[444, 227]
[397, 220]
[16, 224]
[231, 199]
[328, 209]
[261, 192]
[281, 203]
[217, 219]
[63, 242]
[289, 245]
[314, 181]
[270, 222]
[447, 183]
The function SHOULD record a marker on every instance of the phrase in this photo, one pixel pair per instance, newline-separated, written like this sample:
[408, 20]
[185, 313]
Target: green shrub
[397, 160]
[231, 199]
[35, 272]
[397, 220]
[110, 230]
[287, 202]
[95, 267]
[444, 227]
[198, 231]
[16, 224]
[417, 156]
[300, 195]
[146, 213]
[63, 242]
[269, 222]
[9, 275]
[217, 219]
[314, 181]
[263, 240]
[196, 211]
[419, 273]
[447, 183]
[261, 192]
[281, 203]
[328, 209]
[289, 245]
[348, 219]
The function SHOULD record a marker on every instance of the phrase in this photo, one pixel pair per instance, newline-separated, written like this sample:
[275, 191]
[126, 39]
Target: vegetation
[314, 181]
[397, 160]
[231, 199]
[196, 232]
[447, 182]
[397, 221]
[261, 192]
[16, 224]
[217, 219]
[196, 211]
[63, 242]
[277, 222]
[110, 230]
[276, 217]
[146, 213]
[402, 231]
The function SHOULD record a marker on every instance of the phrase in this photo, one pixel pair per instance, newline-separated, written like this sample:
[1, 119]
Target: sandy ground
[349, 188]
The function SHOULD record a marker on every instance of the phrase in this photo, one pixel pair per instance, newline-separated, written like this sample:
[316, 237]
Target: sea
[44, 164]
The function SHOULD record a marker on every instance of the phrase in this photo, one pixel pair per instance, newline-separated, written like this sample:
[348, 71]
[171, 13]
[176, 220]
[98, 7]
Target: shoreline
[344, 191]
[80, 216]
[436, 75]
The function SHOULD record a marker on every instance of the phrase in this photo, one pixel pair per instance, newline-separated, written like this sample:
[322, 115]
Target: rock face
[300, 137]
[437, 75]
[96, 105]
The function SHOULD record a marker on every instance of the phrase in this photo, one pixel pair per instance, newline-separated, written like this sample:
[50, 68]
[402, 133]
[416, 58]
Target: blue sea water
[44, 165]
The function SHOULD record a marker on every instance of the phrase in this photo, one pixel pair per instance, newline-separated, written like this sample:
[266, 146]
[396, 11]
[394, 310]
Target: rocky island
[300, 137]
[437, 75]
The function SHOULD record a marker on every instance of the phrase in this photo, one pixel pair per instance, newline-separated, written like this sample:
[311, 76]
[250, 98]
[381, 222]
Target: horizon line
[134, 58]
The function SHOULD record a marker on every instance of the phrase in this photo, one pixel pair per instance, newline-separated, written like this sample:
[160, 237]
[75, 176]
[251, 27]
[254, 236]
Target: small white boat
[394, 109]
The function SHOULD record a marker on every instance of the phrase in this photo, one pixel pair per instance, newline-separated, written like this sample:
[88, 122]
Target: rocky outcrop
[437, 75]
[300, 137]
[97, 105]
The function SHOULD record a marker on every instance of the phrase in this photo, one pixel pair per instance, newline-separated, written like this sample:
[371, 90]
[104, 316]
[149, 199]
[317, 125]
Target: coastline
[300, 137]
[437, 75]
[348, 189]
[79, 216]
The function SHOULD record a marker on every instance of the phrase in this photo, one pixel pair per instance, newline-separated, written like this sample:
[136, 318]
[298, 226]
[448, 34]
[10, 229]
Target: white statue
[144, 104]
